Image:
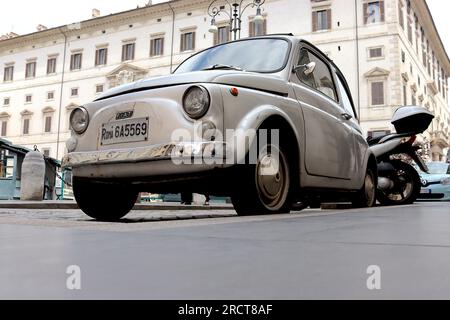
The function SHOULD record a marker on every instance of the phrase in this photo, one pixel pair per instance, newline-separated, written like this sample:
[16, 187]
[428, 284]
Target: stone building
[389, 51]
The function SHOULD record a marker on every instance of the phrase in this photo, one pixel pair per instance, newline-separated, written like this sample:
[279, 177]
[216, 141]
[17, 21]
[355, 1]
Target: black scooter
[398, 181]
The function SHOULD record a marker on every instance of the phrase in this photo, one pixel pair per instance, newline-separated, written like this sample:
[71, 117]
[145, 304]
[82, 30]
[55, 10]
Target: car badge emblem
[124, 115]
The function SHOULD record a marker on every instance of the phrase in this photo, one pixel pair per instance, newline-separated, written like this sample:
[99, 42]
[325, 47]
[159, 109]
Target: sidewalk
[65, 204]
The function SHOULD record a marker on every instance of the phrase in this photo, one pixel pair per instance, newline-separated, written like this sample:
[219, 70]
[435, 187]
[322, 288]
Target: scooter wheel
[406, 186]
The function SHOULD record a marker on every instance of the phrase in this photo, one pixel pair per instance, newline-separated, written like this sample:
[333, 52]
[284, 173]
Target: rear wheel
[101, 201]
[264, 186]
[406, 186]
[366, 196]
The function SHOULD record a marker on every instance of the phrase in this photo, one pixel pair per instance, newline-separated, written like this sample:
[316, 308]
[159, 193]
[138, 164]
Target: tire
[259, 193]
[101, 201]
[366, 196]
[407, 186]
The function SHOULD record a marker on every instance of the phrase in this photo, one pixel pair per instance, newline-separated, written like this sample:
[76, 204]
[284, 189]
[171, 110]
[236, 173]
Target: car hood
[264, 82]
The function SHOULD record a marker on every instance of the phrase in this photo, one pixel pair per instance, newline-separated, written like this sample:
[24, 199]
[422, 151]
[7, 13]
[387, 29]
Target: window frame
[97, 62]
[33, 74]
[319, 56]
[31, 98]
[73, 67]
[369, 50]
[153, 40]
[125, 50]
[382, 17]
[53, 93]
[54, 65]
[183, 40]
[315, 19]
[11, 67]
[3, 129]
[371, 82]
[47, 116]
[26, 118]
[77, 92]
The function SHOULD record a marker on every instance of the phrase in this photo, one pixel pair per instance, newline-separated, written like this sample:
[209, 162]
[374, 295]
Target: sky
[22, 16]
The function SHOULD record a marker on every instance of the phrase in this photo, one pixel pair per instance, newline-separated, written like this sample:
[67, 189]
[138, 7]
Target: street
[312, 254]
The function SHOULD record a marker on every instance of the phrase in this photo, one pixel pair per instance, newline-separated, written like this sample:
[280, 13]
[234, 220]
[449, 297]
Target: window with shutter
[375, 52]
[4, 128]
[30, 70]
[48, 124]
[75, 61]
[377, 93]
[401, 18]
[8, 73]
[373, 12]
[128, 52]
[222, 35]
[187, 41]
[101, 56]
[322, 20]
[51, 65]
[26, 126]
[156, 47]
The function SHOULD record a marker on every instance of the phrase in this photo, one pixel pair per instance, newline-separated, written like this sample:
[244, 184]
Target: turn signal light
[234, 91]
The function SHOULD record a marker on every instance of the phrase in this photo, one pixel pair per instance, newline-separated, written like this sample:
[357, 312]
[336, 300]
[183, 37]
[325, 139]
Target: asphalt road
[308, 255]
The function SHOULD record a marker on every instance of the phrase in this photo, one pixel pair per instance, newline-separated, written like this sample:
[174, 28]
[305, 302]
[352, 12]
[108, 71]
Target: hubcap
[403, 187]
[272, 179]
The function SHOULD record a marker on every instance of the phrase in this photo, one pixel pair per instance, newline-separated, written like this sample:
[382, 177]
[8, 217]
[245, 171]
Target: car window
[321, 78]
[346, 102]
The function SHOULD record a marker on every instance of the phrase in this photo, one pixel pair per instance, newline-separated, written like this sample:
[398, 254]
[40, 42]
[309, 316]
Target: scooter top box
[411, 119]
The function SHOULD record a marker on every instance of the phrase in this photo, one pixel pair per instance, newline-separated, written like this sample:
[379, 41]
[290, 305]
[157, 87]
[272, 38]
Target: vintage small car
[268, 121]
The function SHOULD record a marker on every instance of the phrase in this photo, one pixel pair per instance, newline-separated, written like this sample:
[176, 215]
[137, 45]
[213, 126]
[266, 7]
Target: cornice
[90, 25]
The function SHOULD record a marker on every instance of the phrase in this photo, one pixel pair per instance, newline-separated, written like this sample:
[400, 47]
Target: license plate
[425, 190]
[132, 130]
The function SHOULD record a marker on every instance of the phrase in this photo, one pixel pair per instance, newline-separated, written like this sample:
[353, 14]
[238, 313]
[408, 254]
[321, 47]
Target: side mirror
[307, 68]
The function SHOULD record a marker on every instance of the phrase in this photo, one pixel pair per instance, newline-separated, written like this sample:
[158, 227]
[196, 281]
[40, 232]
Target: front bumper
[435, 191]
[179, 153]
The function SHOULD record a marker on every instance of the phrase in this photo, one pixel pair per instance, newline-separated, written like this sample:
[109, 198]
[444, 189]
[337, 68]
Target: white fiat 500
[268, 121]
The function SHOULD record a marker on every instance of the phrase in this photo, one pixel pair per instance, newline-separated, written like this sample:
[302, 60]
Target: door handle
[346, 116]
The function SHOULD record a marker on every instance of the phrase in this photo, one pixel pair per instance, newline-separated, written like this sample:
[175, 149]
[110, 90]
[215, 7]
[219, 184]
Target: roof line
[84, 21]
[436, 31]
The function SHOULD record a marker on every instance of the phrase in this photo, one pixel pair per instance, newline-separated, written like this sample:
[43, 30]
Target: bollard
[32, 177]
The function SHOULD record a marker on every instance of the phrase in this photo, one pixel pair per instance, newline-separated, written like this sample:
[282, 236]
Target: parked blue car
[436, 183]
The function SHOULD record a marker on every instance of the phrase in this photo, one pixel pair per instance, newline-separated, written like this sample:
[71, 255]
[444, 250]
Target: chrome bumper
[171, 151]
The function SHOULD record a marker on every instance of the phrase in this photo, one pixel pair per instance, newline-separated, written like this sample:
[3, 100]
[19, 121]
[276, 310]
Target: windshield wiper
[222, 66]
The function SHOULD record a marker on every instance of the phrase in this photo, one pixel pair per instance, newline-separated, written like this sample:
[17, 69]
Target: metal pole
[357, 61]
[61, 93]
[173, 30]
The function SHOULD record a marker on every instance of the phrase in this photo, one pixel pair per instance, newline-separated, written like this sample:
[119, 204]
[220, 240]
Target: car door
[346, 102]
[329, 141]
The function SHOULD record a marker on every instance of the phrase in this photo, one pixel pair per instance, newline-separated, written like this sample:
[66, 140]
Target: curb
[11, 204]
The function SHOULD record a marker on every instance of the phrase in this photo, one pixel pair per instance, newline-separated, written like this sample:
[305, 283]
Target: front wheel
[406, 187]
[101, 201]
[264, 186]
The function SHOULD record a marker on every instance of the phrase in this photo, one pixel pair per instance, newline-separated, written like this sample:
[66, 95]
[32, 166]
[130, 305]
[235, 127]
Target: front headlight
[445, 181]
[196, 102]
[79, 120]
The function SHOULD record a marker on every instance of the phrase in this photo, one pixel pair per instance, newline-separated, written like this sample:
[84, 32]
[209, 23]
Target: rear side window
[346, 102]
[321, 78]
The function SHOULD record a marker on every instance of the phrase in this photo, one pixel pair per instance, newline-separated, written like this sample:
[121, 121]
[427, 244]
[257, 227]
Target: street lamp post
[234, 12]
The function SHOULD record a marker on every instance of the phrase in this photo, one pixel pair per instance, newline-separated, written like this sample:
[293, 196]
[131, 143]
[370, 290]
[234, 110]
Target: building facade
[389, 51]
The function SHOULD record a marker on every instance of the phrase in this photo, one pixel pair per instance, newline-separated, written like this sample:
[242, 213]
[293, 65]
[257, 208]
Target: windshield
[438, 168]
[258, 55]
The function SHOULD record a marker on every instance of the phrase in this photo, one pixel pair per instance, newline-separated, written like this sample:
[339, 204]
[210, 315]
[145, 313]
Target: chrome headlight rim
[86, 115]
[205, 108]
